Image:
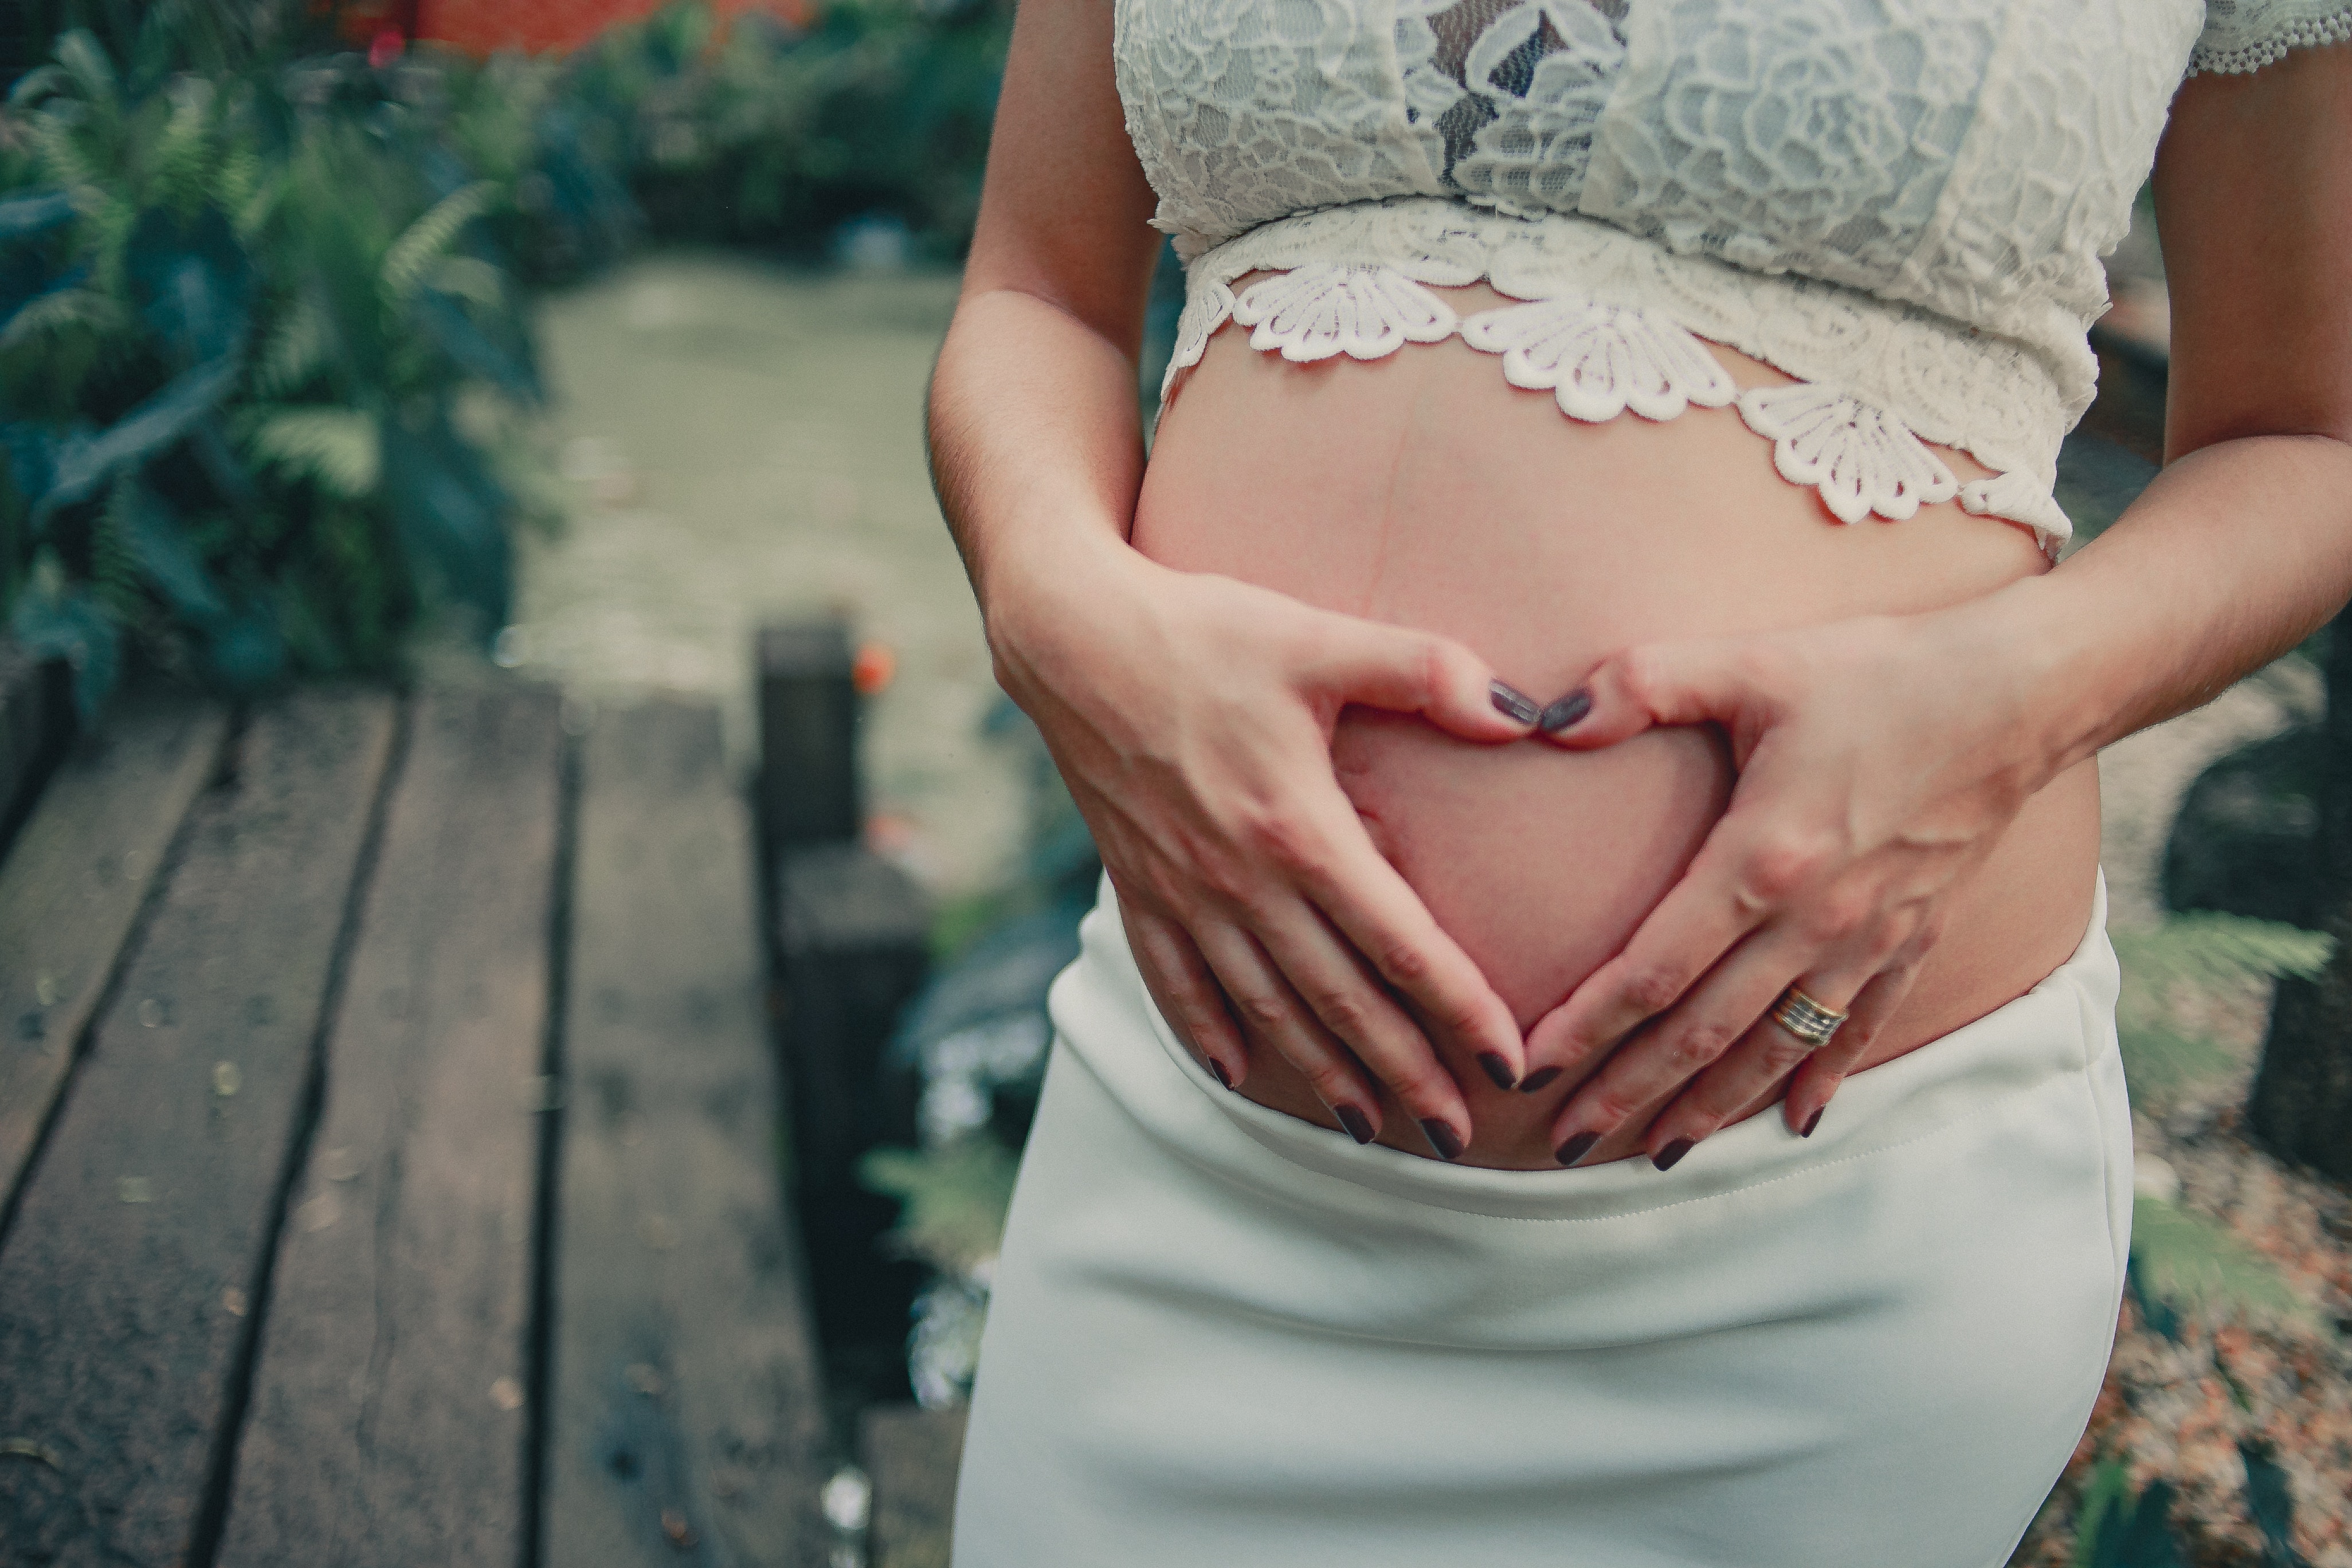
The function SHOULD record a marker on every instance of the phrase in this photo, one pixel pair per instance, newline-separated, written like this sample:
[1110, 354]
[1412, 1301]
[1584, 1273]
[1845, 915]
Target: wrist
[2012, 646]
[1044, 589]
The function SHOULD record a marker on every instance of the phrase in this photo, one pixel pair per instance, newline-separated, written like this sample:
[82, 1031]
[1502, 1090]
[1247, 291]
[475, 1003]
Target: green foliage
[2188, 960]
[2119, 1528]
[955, 1198]
[2183, 1264]
[239, 316]
[757, 134]
[2193, 1266]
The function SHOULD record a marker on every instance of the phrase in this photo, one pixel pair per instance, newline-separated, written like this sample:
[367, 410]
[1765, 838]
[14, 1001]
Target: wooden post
[808, 736]
[852, 943]
[2301, 1103]
[911, 1454]
[35, 718]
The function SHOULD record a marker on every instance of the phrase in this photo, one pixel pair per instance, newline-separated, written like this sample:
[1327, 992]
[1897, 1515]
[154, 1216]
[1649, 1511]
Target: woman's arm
[1880, 760]
[1190, 715]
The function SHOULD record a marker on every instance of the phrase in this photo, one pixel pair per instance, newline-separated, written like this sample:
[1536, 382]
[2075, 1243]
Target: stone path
[737, 441]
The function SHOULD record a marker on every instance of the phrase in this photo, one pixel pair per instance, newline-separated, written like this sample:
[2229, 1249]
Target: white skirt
[1223, 1338]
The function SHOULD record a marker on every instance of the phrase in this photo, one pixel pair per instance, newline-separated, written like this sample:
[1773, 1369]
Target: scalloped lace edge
[1600, 359]
[2310, 33]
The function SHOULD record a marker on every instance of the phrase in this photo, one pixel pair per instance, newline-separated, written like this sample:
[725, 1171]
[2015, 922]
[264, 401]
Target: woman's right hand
[1191, 717]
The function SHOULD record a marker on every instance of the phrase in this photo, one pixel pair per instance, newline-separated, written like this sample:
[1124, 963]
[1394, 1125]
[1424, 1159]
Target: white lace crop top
[1902, 203]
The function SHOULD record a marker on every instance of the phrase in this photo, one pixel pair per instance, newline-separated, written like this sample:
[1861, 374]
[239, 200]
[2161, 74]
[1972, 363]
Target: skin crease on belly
[1424, 489]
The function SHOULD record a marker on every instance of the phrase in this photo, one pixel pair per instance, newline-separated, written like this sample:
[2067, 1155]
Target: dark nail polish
[1359, 1125]
[1542, 1078]
[1223, 1076]
[1565, 712]
[1441, 1138]
[1576, 1148]
[1496, 1069]
[1667, 1158]
[1513, 703]
[1813, 1121]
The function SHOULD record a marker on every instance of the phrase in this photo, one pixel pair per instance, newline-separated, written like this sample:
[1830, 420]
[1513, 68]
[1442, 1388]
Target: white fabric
[1223, 1338]
[1903, 201]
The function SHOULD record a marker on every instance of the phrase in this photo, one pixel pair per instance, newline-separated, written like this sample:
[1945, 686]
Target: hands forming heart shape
[1263, 919]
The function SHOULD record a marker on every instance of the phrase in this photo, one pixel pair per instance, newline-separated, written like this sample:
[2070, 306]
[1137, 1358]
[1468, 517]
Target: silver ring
[1807, 1020]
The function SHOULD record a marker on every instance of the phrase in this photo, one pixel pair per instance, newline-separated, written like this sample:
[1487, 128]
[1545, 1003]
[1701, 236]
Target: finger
[1406, 671]
[1187, 994]
[1678, 1047]
[1333, 980]
[1375, 910]
[1332, 859]
[1697, 922]
[1817, 1081]
[1273, 1017]
[1640, 688]
[1764, 1057]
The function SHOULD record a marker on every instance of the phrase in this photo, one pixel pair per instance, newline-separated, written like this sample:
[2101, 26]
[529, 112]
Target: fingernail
[1665, 1158]
[1359, 1125]
[1576, 1148]
[1223, 1076]
[1512, 702]
[1813, 1121]
[1441, 1138]
[1542, 1078]
[1496, 1069]
[1565, 712]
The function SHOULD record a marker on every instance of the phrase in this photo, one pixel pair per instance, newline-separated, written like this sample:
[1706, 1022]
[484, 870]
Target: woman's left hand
[1879, 760]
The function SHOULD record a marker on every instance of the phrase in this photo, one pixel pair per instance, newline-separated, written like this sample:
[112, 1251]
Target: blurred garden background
[350, 342]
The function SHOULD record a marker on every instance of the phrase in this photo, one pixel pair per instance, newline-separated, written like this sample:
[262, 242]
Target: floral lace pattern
[1598, 359]
[1900, 202]
[2246, 34]
[1611, 322]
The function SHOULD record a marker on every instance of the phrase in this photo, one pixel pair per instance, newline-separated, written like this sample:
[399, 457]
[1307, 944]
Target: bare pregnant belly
[1424, 489]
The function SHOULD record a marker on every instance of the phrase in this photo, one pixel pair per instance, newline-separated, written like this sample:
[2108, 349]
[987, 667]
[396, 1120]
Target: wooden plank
[70, 887]
[910, 1456]
[853, 939]
[143, 1233]
[388, 1416]
[808, 735]
[684, 1425]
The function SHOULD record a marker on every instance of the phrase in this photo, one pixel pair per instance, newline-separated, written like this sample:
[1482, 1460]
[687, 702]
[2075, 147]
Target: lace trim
[2273, 37]
[1600, 357]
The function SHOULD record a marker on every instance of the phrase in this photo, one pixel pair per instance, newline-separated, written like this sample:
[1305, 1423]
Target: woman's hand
[1879, 760]
[1191, 717]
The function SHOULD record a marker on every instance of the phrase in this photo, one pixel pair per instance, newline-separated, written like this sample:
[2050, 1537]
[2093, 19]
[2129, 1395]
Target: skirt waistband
[1103, 1016]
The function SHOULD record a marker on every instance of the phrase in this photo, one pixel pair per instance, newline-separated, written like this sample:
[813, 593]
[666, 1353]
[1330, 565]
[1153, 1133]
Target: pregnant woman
[1583, 666]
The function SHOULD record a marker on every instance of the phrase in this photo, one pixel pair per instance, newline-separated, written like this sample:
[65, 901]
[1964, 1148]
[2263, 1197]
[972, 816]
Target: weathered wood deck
[388, 1148]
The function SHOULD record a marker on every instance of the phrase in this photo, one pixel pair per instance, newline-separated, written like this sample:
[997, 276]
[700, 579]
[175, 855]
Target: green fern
[182, 165]
[60, 156]
[113, 558]
[2162, 1063]
[2199, 1267]
[2210, 949]
[422, 241]
[2191, 958]
[86, 64]
[469, 278]
[340, 449]
[955, 1198]
[294, 350]
[66, 310]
